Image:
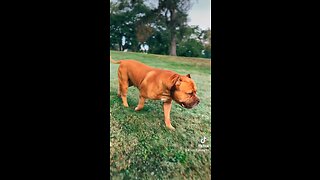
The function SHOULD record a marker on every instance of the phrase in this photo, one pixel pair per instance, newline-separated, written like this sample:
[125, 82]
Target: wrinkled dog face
[185, 92]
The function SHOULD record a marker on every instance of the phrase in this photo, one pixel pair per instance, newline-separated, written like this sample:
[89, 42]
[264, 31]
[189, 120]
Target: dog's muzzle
[190, 105]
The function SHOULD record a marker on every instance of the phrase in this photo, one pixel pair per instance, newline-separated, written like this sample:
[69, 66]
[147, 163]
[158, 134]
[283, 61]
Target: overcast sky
[200, 14]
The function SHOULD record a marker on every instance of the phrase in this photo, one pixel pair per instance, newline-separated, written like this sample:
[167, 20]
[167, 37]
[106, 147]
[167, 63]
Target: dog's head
[184, 91]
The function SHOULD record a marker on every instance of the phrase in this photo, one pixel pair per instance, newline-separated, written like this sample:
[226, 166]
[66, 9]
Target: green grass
[140, 145]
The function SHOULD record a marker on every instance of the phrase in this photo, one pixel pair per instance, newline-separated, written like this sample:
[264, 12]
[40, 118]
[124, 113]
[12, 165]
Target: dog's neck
[173, 88]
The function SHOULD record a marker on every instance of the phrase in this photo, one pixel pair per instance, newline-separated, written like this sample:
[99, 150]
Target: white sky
[200, 14]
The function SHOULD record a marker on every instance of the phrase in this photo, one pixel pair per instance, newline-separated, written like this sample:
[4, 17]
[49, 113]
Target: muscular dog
[156, 84]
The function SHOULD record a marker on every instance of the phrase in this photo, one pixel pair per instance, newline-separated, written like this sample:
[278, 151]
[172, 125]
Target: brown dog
[156, 84]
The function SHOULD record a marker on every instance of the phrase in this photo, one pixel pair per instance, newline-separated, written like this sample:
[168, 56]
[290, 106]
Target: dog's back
[129, 68]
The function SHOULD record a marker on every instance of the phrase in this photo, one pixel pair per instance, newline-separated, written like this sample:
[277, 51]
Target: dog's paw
[137, 108]
[170, 127]
[125, 105]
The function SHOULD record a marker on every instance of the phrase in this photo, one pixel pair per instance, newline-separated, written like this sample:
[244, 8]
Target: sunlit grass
[141, 146]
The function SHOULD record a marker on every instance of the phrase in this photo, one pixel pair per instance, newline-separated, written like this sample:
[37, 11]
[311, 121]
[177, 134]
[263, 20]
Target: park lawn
[140, 145]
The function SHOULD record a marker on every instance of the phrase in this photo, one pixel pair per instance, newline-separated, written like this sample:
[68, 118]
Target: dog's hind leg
[123, 87]
[119, 94]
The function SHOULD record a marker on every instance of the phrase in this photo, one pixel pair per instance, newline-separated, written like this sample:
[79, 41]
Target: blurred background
[166, 27]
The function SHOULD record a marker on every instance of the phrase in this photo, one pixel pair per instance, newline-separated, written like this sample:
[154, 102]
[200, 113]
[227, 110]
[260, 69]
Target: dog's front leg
[166, 109]
[140, 104]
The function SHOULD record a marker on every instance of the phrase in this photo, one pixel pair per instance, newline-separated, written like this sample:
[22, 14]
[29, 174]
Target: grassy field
[140, 145]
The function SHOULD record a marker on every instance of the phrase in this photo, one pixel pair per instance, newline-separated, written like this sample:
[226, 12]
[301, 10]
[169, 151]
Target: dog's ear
[178, 82]
[174, 80]
[188, 75]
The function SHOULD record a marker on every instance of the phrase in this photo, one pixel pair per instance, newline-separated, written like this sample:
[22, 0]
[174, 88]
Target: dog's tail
[114, 62]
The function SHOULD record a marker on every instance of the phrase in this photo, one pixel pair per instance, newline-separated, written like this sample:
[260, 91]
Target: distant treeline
[162, 26]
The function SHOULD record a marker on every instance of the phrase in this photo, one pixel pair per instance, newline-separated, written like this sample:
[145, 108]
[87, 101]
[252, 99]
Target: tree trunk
[173, 47]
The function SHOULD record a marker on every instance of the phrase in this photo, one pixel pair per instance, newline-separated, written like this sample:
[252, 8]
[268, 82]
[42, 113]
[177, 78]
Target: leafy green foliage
[125, 16]
[190, 48]
[163, 28]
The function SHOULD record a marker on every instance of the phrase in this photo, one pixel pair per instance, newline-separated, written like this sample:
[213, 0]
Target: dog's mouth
[182, 104]
[189, 106]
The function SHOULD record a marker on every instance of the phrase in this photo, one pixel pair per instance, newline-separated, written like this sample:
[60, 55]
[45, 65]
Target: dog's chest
[164, 99]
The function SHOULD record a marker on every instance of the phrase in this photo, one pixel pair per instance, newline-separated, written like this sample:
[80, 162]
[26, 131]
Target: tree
[163, 28]
[143, 32]
[190, 48]
[124, 19]
[207, 43]
[159, 42]
[175, 14]
[190, 42]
